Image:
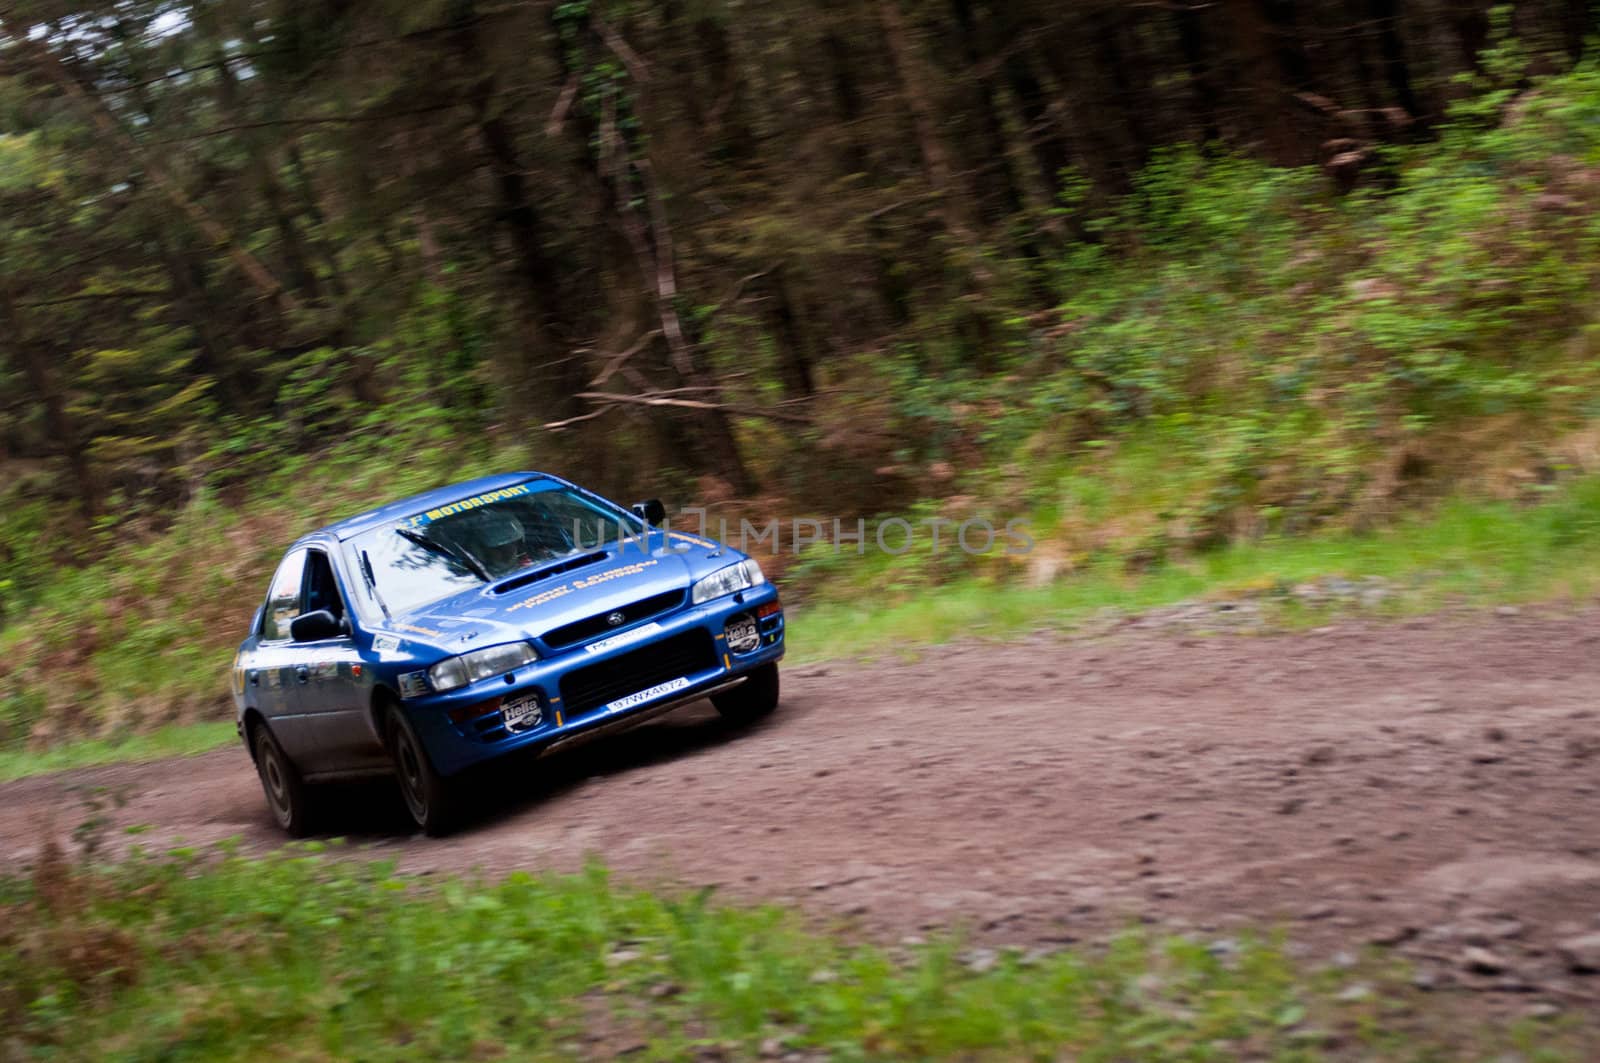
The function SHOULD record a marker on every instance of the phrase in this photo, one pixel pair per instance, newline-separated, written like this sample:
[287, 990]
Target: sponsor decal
[521, 714]
[423, 519]
[582, 584]
[743, 635]
[619, 572]
[648, 695]
[696, 540]
[625, 639]
[385, 643]
[539, 599]
[415, 630]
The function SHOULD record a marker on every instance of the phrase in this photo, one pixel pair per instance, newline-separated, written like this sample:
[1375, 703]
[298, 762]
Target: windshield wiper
[372, 584]
[459, 556]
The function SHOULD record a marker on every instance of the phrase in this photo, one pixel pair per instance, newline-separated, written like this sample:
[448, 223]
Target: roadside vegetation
[1219, 376]
[172, 740]
[1464, 553]
[193, 955]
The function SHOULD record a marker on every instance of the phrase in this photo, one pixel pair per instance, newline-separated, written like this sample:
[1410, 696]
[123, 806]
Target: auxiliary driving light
[742, 634]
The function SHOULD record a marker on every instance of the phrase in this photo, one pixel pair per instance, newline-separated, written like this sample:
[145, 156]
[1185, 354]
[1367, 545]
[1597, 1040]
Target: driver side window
[322, 589]
[283, 599]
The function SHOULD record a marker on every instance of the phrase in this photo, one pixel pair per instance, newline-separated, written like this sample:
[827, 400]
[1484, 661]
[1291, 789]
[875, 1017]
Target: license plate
[521, 713]
[648, 695]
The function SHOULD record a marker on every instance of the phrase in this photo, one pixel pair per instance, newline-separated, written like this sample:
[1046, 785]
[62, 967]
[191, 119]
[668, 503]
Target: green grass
[175, 741]
[192, 956]
[1467, 552]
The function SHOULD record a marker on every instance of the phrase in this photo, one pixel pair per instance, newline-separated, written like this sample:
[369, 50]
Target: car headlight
[480, 664]
[738, 577]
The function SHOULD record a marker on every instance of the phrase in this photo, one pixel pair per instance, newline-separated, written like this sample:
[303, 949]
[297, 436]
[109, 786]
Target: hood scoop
[524, 579]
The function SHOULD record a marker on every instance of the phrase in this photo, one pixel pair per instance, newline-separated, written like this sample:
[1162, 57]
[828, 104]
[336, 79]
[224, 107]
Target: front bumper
[697, 644]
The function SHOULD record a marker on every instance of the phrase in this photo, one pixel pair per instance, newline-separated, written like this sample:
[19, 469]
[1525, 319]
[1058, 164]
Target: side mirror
[314, 627]
[653, 512]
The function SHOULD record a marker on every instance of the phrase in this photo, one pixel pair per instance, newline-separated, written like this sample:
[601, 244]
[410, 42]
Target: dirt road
[1432, 786]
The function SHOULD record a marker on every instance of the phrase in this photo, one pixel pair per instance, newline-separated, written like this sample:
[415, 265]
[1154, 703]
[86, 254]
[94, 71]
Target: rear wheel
[428, 795]
[287, 794]
[752, 699]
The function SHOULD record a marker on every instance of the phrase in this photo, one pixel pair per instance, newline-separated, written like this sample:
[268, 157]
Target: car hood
[477, 617]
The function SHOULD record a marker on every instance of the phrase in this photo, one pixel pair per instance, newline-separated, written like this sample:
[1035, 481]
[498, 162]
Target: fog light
[742, 634]
[467, 713]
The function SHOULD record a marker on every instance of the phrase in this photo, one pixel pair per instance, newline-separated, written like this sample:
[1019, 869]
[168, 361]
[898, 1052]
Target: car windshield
[481, 539]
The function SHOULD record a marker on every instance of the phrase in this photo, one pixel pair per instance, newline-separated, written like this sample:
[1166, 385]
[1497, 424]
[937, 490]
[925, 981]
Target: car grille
[588, 688]
[592, 626]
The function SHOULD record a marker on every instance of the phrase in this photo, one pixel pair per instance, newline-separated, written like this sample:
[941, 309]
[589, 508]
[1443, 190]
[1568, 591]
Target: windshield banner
[422, 519]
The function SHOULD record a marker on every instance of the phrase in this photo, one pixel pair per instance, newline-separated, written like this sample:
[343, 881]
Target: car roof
[405, 507]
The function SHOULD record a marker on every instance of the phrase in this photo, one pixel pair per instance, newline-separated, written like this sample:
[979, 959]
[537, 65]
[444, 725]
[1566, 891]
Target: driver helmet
[495, 530]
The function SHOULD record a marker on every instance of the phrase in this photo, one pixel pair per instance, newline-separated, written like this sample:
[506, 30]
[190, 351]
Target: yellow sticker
[539, 599]
[469, 503]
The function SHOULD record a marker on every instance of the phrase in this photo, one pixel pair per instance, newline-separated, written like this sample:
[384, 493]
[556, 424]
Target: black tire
[428, 795]
[754, 698]
[288, 796]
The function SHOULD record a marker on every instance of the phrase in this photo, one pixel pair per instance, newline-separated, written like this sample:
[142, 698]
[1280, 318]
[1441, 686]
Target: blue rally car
[513, 613]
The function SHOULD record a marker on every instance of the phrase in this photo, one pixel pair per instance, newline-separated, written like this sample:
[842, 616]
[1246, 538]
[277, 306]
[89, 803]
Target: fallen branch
[558, 113]
[556, 426]
[614, 363]
[630, 58]
[613, 398]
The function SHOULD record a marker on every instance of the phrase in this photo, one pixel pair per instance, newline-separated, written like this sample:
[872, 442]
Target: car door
[273, 672]
[336, 691]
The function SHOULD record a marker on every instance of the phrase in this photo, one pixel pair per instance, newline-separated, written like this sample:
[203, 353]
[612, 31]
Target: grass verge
[1468, 552]
[196, 956]
[175, 741]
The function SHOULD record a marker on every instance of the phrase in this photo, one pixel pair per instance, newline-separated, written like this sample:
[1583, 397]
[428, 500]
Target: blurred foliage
[195, 954]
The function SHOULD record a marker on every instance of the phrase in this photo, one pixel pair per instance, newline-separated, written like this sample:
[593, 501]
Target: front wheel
[287, 794]
[752, 699]
[428, 795]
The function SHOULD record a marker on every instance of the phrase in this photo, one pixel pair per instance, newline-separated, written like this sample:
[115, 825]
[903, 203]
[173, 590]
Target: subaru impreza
[512, 614]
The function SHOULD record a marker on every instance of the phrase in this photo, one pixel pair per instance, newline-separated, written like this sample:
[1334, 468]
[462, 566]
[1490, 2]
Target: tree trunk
[1251, 31]
[36, 370]
[186, 276]
[628, 183]
[999, 197]
[914, 92]
[1386, 16]
[296, 260]
[1046, 139]
[544, 385]
[1578, 24]
[794, 360]
[1204, 102]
